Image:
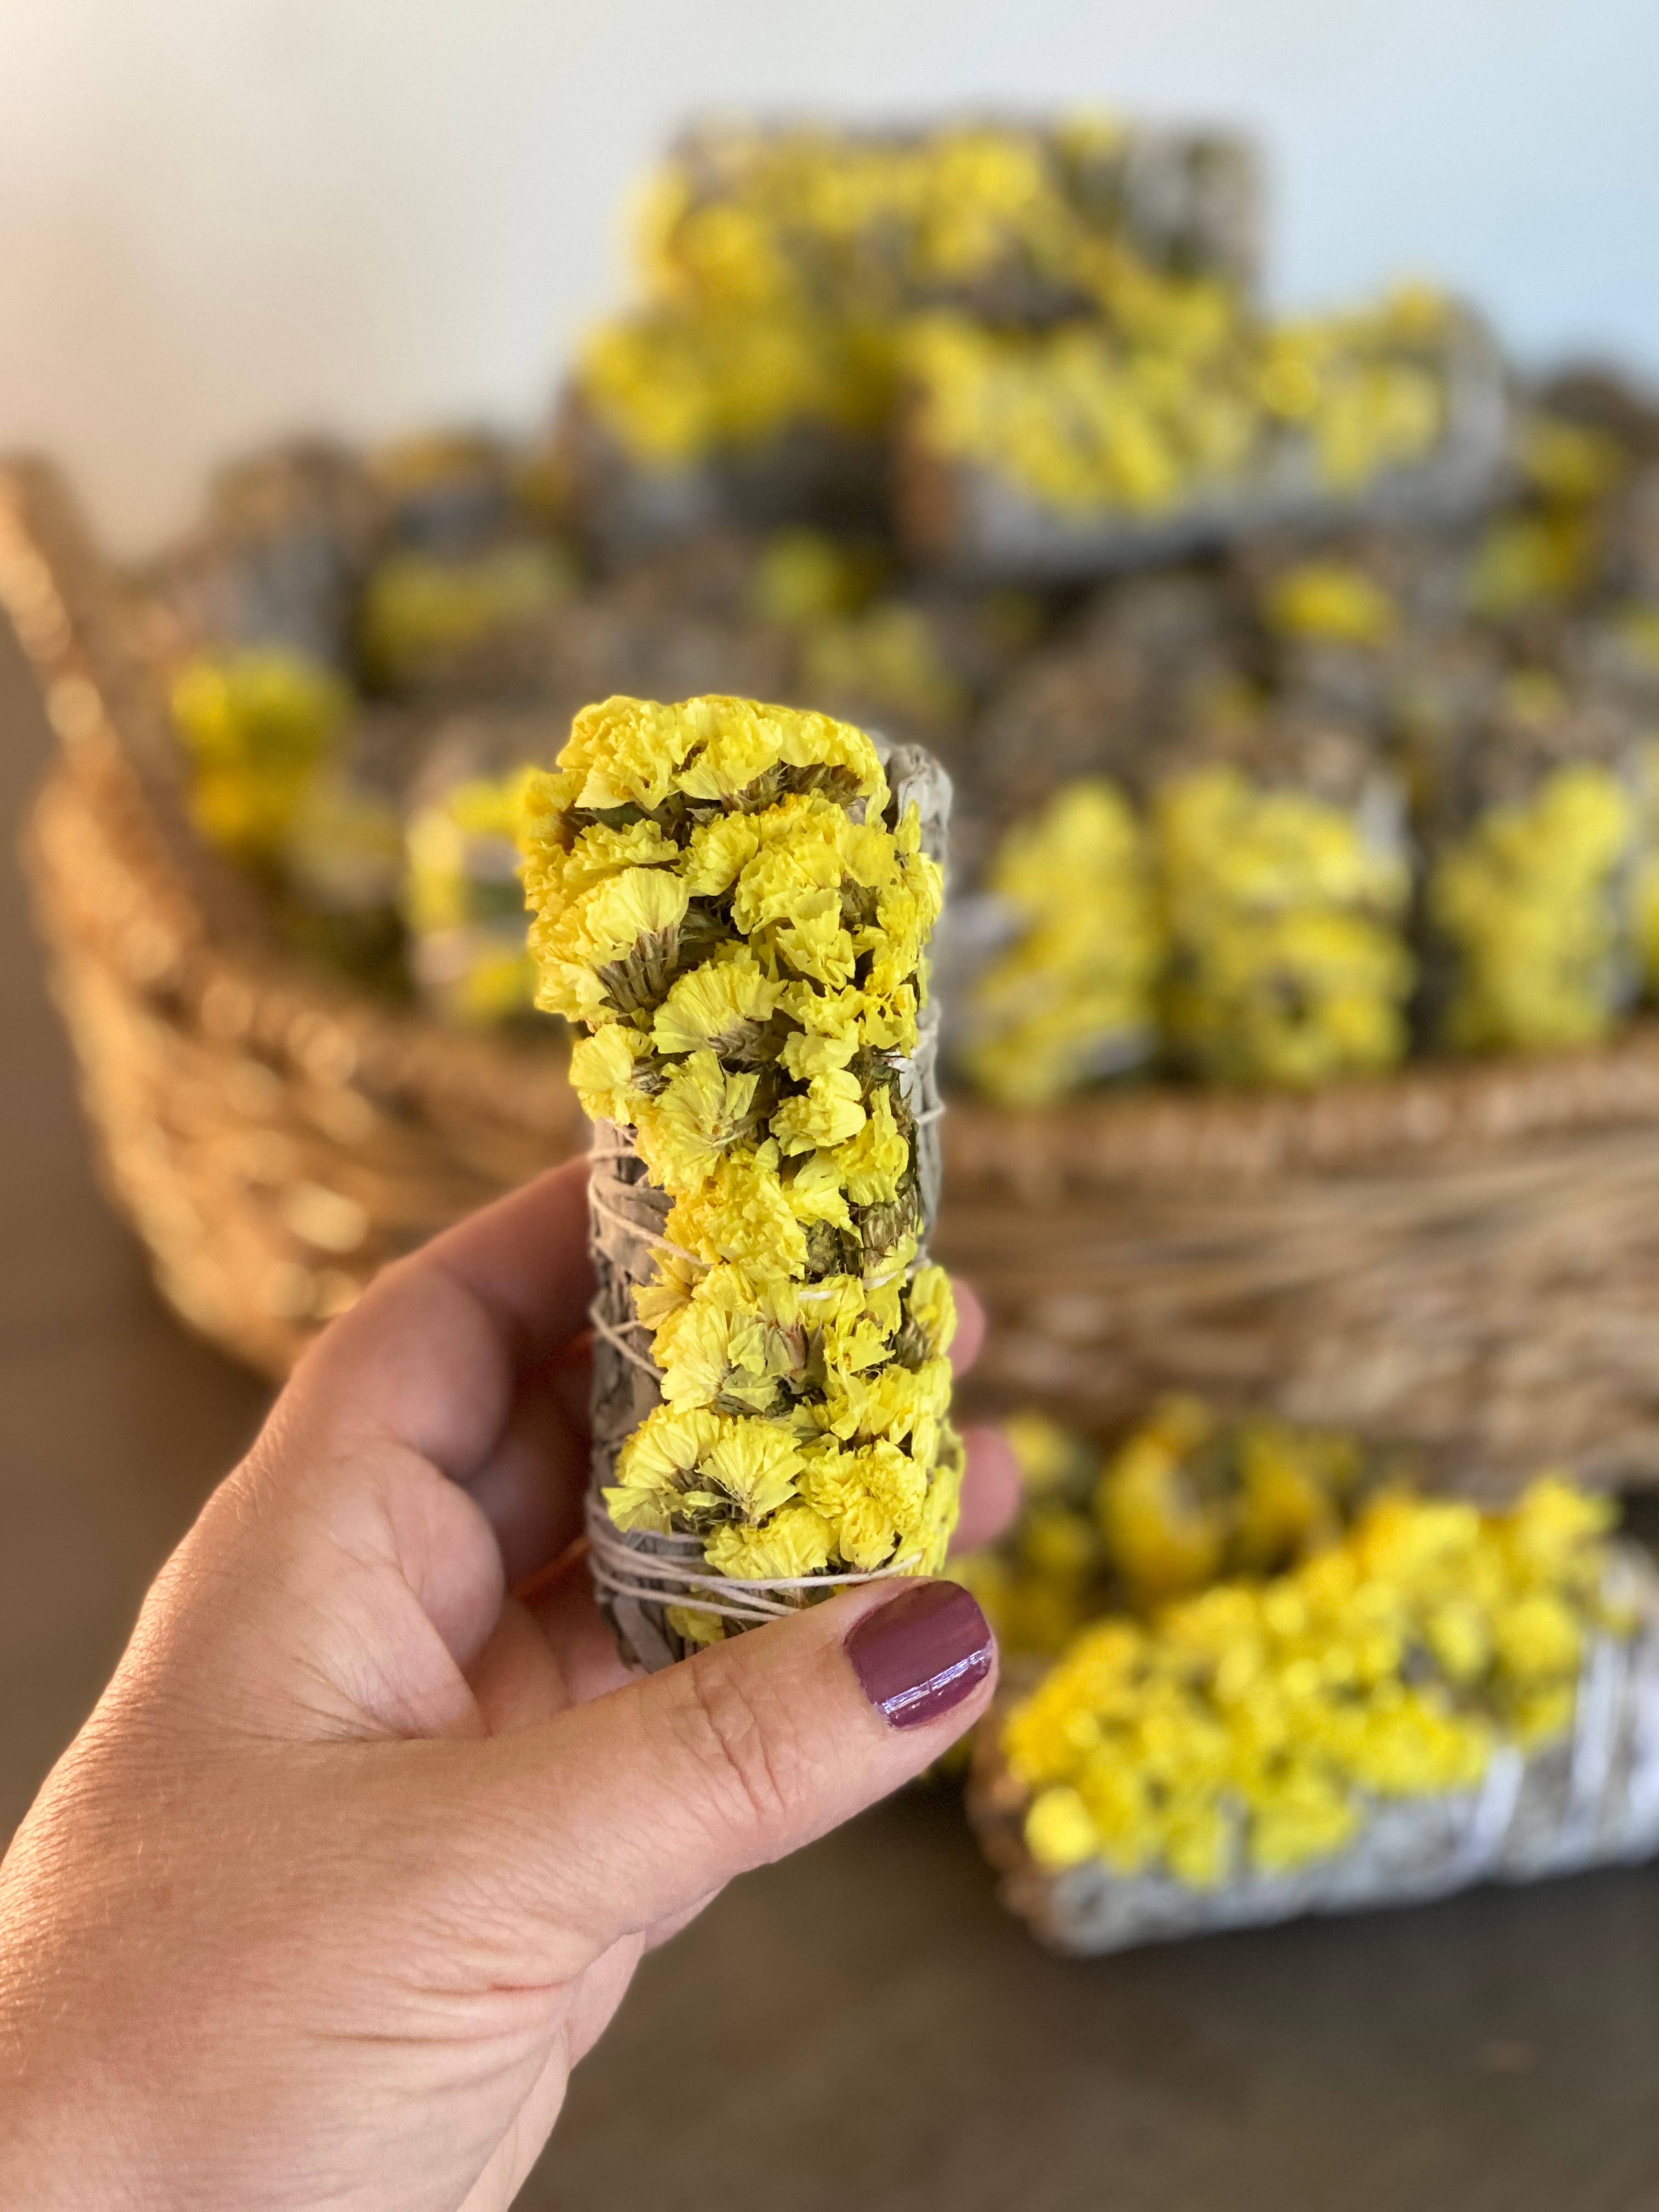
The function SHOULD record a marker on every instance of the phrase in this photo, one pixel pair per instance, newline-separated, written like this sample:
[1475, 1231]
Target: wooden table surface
[860, 2030]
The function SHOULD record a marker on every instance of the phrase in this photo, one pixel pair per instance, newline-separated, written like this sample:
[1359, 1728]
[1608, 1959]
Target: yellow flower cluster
[858, 652]
[874, 223]
[1073, 418]
[1174, 395]
[719, 902]
[1045, 324]
[1570, 464]
[1543, 552]
[1367, 389]
[1186, 1499]
[1527, 560]
[1330, 600]
[1530, 903]
[1645, 891]
[886, 657]
[1288, 962]
[343, 860]
[1047, 1576]
[257, 725]
[464, 903]
[418, 608]
[1074, 996]
[673, 385]
[781, 270]
[1254, 930]
[806, 576]
[1253, 1725]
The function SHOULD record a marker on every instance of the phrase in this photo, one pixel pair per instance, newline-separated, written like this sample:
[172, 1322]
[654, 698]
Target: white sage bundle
[734, 900]
[1510, 1730]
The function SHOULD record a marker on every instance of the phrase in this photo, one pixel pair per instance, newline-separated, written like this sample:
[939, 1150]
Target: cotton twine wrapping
[637, 1574]
[1589, 1798]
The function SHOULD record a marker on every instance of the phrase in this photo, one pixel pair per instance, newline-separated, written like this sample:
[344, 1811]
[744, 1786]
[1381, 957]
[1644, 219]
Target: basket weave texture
[1466, 1255]
[274, 1136]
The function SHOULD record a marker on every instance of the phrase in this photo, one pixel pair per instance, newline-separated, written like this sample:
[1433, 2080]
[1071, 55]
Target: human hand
[356, 1855]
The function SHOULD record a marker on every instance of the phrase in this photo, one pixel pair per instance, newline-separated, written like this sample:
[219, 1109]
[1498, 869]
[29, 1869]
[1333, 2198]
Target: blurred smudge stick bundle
[1251, 1671]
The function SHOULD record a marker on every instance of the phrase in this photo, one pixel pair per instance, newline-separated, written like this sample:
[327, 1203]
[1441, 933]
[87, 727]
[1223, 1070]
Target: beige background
[219, 218]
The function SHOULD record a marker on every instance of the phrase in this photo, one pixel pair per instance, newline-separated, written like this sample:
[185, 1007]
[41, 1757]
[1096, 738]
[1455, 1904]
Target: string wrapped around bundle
[735, 900]
[1443, 1698]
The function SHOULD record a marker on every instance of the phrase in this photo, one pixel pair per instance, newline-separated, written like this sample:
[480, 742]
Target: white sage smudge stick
[1588, 1797]
[973, 513]
[640, 1575]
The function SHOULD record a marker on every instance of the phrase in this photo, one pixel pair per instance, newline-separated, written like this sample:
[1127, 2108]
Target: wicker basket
[274, 1136]
[1468, 1255]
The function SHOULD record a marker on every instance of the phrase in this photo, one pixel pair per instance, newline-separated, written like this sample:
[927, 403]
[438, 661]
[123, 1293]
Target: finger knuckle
[750, 1751]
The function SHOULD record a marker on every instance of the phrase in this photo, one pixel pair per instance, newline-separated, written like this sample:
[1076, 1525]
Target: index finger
[525, 1260]
[435, 1352]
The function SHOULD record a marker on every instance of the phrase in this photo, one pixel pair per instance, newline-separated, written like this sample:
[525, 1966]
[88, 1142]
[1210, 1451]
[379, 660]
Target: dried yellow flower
[1253, 1724]
[723, 902]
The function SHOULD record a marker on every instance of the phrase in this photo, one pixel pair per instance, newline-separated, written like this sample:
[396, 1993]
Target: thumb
[629, 1811]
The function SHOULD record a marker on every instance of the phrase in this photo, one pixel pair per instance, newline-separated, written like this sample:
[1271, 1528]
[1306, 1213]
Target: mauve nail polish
[921, 1653]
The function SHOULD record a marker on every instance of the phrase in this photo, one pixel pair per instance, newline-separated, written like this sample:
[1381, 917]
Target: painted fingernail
[921, 1653]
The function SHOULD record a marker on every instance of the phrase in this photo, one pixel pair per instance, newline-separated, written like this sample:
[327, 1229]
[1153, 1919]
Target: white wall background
[223, 218]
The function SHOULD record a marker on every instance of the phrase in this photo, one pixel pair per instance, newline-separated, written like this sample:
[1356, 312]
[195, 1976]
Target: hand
[356, 1855]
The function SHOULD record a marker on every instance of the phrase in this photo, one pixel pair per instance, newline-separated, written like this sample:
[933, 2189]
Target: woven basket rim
[64, 597]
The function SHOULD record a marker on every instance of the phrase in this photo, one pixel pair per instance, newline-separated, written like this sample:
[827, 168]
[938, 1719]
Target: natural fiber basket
[1467, 1254]
[273, 1135]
